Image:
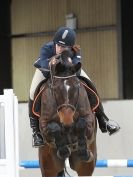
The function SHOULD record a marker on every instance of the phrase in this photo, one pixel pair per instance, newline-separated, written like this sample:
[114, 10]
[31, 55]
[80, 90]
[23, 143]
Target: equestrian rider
[64, 39]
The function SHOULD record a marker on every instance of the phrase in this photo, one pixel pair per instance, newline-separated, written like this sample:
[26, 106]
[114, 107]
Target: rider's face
[59, 49]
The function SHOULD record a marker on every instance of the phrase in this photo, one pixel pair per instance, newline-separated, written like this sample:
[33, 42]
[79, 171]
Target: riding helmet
[65, 37]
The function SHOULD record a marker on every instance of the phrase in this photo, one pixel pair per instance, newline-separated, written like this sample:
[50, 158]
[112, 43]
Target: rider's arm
[46, 52]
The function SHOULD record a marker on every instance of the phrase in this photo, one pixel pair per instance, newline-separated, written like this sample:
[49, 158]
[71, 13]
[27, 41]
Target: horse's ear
[59, 68]
[76, 67]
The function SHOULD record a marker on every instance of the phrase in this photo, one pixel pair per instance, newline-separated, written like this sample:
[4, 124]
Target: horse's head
[65, 87]
[63, 66]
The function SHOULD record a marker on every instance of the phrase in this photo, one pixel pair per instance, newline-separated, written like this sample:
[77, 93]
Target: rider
[64, 39]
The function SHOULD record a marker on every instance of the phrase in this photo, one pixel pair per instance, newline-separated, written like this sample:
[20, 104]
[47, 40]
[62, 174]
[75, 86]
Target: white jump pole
[11, 133]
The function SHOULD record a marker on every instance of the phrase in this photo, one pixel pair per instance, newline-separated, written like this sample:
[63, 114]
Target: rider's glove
[76, 48]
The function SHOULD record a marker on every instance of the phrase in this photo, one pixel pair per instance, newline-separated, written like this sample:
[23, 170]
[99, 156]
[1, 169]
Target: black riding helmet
[65, 36]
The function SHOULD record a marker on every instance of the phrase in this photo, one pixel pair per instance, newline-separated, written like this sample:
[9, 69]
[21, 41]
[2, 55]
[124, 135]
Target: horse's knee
[53, 127]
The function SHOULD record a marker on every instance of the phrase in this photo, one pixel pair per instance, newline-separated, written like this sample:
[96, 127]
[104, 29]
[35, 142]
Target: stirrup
[112, 127]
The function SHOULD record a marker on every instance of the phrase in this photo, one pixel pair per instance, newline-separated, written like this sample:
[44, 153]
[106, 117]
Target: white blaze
[66, 86]
[67, 89]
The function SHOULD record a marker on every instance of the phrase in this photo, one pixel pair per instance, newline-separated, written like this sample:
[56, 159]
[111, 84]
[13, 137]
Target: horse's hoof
[85, 155]
[64, 153]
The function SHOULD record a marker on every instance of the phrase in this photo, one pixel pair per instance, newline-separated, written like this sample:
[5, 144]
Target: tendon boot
[105, 124]
[84, 154]
[54, 130]
[37, 139]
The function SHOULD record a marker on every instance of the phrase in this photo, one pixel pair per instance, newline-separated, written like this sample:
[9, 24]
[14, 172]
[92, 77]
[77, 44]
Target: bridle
[59, 107]
[66, 105]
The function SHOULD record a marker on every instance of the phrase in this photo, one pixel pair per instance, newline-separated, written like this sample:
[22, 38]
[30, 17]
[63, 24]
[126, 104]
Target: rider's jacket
[47, 51]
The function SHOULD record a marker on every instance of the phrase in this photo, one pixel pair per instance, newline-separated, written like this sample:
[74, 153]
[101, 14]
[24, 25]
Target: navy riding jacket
[47, 51]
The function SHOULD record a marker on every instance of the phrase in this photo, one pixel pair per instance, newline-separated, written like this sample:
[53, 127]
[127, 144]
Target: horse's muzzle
[66, 113]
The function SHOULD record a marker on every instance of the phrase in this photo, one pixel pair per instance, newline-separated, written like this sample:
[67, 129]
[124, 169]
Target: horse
[67, 123]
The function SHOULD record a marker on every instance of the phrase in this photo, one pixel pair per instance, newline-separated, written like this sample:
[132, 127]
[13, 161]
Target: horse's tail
[63, 172]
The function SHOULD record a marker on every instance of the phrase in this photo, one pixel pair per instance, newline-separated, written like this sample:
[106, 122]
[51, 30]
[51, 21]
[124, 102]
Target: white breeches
[38, 77]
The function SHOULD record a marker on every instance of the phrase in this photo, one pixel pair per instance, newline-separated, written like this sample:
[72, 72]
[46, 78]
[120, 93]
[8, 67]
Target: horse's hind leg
[50, 164]
[86, 169]
[81, 167]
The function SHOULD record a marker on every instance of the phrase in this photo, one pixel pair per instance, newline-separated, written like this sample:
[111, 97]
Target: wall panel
[37, 15]
[99, 58]
[24, 52]
[93, 13]
[99, 47]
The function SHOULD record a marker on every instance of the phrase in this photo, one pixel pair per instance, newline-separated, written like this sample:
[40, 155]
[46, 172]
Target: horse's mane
[65, 54]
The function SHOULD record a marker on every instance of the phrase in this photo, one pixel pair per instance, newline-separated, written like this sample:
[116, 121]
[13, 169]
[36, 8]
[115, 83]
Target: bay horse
[67, 122]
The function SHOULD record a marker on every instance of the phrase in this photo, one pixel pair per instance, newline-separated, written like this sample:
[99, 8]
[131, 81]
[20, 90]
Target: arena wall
[118, 146]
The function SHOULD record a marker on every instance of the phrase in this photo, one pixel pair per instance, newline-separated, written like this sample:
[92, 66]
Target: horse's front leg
[50, 164]
[81, 130]
[54, 130]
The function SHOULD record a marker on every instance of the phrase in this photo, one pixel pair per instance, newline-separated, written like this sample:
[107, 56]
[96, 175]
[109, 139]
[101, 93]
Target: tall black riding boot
[105, 124]
[37, 139]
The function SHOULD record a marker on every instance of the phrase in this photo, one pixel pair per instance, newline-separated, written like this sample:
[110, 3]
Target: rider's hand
[52, 61]
[76, 50]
